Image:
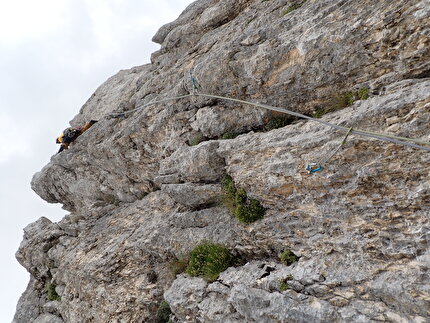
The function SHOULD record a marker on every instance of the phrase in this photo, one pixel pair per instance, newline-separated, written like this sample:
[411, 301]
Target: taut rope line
[410, 142]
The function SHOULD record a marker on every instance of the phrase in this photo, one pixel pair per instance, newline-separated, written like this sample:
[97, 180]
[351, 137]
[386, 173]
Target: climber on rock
[70, 134]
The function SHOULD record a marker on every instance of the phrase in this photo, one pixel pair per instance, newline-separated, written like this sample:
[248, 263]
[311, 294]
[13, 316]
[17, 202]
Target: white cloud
[21, 20]
[13, 141]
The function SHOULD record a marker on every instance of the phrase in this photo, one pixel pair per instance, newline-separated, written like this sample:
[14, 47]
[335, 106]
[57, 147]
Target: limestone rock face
[143, 185]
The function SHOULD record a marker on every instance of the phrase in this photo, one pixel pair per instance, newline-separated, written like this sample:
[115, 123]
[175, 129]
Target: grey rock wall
[142, 191]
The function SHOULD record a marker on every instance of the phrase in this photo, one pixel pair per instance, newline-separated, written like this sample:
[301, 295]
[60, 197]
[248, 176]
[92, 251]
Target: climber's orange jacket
[70, 134]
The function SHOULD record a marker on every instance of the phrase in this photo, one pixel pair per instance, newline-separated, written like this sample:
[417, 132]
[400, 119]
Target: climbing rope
[410, 142]
[123, 114]
[337, 149]
[315, 167]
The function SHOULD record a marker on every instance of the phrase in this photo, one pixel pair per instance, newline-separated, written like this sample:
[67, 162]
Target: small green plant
[283, 285]
[52, 294]
[288, 257]
[229, 135]
[247, 210]
[163, 312]
[229, 196]
[278, 122]
[197, 139]
[292, 7]
[208, 260]
[319, 112]
[340, 101]
[228, 186]
[243, 208]
[362, 94]
[178, 266]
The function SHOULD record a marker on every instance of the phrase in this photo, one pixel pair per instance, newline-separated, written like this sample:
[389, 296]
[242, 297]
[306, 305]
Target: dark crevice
[222, 283]
[267, 272]
[204, 206]
[420, 75]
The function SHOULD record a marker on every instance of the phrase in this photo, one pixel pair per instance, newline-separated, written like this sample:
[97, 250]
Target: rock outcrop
[143, 189]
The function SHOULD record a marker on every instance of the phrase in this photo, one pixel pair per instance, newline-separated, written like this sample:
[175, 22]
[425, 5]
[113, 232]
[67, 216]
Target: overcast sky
[53, 56]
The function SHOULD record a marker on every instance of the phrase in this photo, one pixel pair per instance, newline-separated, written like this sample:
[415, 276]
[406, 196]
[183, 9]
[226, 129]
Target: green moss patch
[283, 285]
[230, 135]
[340, 101]
[208, 260]
[277, 122]
[163, 312]
[246, 210]
[288, 257]
[291, 8]
[362, 94]
[52, 294]
[197, 139]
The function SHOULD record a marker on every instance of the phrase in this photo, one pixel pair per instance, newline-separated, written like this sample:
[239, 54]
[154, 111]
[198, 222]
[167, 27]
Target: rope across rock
[410, 142]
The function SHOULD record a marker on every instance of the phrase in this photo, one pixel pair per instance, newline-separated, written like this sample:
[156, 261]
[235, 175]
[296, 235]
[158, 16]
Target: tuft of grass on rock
[228, 186]
[52, 294]
[319, 112]
[208, 260]
[341, 100]
[291, 8]
[283, 285]
[278, 122]
[362, 94]
[229, 135]
[163, 312]
[246, 210]
[288, 257]
[197, 139]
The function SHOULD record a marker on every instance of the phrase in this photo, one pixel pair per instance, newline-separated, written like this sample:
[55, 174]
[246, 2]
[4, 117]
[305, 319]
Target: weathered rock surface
[142, 195]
